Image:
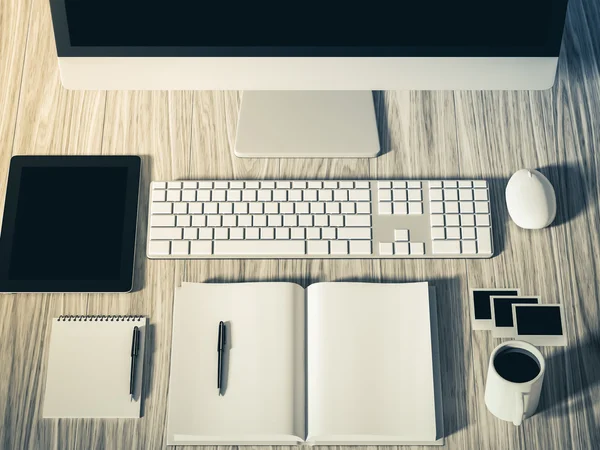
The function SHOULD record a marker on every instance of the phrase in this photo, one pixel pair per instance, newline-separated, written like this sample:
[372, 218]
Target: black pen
[220, 350]
[135, 348]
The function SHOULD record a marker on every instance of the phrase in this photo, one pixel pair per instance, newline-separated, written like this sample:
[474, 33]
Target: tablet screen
[70, 227]
[69, 224]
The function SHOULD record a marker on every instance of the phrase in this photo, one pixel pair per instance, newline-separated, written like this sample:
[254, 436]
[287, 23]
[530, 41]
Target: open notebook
[337, 363]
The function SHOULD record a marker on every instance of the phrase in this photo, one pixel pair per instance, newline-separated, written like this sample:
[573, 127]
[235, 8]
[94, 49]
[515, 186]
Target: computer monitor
[326, 46]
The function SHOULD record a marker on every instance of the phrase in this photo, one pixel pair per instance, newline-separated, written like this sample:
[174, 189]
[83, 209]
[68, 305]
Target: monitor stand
[307, 124]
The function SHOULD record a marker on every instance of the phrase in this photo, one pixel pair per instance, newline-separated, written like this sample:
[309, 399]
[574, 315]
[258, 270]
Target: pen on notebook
[220, 350]
[135, 348]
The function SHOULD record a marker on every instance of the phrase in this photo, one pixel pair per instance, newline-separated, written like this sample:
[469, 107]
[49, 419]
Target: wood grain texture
[190, 135]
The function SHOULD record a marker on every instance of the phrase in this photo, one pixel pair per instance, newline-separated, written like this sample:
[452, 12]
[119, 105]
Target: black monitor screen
[323, 28]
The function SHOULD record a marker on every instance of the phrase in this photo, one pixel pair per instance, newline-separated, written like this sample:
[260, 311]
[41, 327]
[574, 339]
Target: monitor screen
[310, 28]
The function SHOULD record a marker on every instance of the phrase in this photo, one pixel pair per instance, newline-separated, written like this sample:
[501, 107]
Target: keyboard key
[265, 196]
[384, 184]
[313, 233]
[236, 185]
[279, 195]
[328, 233]
[226, 208]
[464, 184]
[417, 248]
[468, 233]
[469, 247]
[203, 196]
[252, 233]
[482, 220]
[400, 208]
[480, 194]
[321, 220]
[180, 208]
[162, 208]
[356, 221]
[451, 207]
[317, 208]
[348, 208]
[283, 185]
[213, 221]
[290, 221]
[267, 233]
[229, 221]
[354, 233]
[190, 234]
[275, 221]
[453, 233]
[482, 208]
[414, 195]
[346, 184]
[158, 248]
[325, 196]
[249, 196]
[159, 195]
[436, 195]
[195, 208]
[305, 221]
[211, 208]
[162, 221]
[295, 196]
[302, 208]
[450, 184]
[438, 233]
[221, 184]
[198, 221]
[401, 248]
[332, 208]
[401, 235]
[310, 195]
[465, 195]
[271, 208]
[299, 184]
[450, 194]
[399, 195]
[244, 221]
[317, 247]
[255, 208]
[180, 248]
[219, 196]
[315, 184]
[446, 247]
[221, 233]
[386, 248]
[479, 184]
[205, 233]
[297, 233]
[468, 221]
[359, 195]
[466, 207]
[363, 208]
[452, 220]
[266, 248]
[384, 196]
[184, 221]
[340, 196]
[337, 220]
[437, 220]
[259, 220]
[174, 185]
[282, 233]
[240, 208]
[267, 185]
[360, 247]
[330, 184]
[188, 196]
[205, 184]
[399, 184]
[159, 185]
[435, 184]
[436, 207]
[339, 247]
[484, 240]
[415, 208]
[414, 184]
[165, 233]
[362, 185]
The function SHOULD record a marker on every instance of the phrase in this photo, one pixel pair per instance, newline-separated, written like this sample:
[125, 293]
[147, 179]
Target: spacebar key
[259, 248]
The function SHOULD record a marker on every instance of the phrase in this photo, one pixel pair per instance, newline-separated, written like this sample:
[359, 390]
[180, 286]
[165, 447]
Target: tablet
[69, 224]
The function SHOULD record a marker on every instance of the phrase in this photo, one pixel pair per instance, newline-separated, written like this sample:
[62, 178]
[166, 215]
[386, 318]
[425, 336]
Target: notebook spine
[105, 318]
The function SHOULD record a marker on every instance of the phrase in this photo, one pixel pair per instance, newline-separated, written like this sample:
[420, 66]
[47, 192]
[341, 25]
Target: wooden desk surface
[187, 135]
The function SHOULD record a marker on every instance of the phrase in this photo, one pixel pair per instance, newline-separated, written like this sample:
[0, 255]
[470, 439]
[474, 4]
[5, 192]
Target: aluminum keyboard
[319, 219]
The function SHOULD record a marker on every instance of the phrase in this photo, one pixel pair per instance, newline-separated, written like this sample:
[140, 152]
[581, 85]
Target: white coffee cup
[512, 393]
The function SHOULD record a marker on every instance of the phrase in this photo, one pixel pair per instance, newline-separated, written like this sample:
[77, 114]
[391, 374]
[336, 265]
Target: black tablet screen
[69, 224]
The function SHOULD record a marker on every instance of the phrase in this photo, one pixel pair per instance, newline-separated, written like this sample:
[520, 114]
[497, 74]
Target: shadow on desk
[562, 387]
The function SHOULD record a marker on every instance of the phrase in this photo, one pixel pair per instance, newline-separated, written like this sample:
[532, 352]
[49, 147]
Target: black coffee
[516, 365]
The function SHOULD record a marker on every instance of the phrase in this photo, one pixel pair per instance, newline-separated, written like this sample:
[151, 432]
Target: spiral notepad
[89, 367]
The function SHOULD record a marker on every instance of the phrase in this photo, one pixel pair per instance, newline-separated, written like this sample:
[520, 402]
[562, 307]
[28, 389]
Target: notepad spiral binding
[100, 318]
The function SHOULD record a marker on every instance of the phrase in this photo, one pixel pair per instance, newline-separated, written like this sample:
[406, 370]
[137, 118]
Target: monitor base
[307, 124]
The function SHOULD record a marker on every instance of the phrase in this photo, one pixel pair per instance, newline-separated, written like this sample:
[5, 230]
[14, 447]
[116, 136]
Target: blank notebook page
[89, 368]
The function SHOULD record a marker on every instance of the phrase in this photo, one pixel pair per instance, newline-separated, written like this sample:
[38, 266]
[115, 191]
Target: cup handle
[520, 409]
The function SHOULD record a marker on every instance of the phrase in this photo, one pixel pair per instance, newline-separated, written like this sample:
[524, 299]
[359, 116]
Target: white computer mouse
[530, 199]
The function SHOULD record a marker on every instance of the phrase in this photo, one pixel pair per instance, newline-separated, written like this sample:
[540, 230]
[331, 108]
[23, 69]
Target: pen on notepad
[220, 350]
[135, 348]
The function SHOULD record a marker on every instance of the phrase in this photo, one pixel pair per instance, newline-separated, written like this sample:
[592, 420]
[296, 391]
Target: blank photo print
[481, 308]
[502, 314]
[542, 325]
